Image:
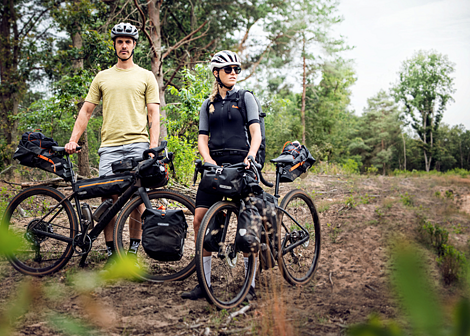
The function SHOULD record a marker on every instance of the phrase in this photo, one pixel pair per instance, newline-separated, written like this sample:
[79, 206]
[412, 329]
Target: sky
[384, 33]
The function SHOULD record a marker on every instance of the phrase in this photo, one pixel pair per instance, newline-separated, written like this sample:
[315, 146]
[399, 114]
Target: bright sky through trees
[387, 32]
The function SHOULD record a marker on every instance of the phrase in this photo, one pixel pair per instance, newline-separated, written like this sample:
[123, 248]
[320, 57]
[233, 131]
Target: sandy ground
[358, 216]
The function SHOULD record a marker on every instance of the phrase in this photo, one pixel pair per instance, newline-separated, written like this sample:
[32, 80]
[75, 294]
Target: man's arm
[153, 111]
[80, 126]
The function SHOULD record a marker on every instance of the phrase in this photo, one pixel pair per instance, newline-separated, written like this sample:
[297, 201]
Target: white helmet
[124, 29]
[224, 58]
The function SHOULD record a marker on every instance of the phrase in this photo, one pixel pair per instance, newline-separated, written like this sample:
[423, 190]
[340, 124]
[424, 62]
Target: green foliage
[425, 87]
[406, 199]
[351, 167]
[183, 115]
[185, 155]
[350, 202]
[433, 235]
[451, 263]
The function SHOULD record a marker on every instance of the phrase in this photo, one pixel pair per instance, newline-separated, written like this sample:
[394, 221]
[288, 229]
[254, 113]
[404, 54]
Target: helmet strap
[219, 81]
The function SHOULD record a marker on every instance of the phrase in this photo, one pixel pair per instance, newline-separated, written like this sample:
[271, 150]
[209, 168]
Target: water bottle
[102, 210]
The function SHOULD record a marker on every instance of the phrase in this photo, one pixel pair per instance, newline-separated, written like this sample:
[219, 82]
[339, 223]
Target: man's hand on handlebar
[71, 147]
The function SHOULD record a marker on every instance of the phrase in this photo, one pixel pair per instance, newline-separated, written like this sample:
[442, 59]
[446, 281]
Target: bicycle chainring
[80, 247]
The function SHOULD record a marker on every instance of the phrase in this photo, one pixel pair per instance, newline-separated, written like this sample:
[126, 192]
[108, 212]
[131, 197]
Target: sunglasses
[228, 69]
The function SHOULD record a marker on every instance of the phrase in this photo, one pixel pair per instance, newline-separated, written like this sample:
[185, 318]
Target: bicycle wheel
[155, 270]
[298, 260]
[229, 281]
[39, 254]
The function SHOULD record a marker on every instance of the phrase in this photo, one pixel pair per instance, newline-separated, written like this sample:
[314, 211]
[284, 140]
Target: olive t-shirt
[125, 95]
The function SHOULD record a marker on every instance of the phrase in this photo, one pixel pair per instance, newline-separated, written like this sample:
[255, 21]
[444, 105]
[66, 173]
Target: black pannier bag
[123, 165]
[34, 150]
[214, 232]
[104, 186]
[163, 234]
[155, 176]
[265, 204]
[303, 160]
[248, 237]
[224, 181]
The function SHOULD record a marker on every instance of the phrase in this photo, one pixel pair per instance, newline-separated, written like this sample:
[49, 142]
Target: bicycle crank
[81, 247]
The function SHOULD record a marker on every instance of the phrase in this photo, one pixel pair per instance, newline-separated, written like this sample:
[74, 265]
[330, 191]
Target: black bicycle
[294, 242]
[53, 229]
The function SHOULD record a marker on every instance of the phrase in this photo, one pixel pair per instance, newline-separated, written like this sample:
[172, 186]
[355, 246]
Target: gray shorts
[108, 155]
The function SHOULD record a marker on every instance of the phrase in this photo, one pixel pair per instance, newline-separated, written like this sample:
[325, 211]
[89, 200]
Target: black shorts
[206, 200]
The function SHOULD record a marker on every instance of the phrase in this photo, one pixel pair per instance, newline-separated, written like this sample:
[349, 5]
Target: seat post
[278, 177]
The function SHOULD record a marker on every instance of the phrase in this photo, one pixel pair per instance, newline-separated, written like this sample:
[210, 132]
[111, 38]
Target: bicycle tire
[299, 265]
[22, 212]
[154, 270]
[224, 295]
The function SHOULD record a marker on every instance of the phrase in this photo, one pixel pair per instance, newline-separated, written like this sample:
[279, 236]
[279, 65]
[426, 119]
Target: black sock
[110, 248]
[134, 245]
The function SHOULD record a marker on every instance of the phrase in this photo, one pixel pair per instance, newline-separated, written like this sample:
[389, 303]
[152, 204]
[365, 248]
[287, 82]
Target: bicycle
[52, 230]
[295, 242]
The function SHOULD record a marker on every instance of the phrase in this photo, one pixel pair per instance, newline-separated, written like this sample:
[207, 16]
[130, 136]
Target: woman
[223, 139]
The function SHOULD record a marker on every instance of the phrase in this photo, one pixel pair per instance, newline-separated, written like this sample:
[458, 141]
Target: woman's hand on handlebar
[210, 160]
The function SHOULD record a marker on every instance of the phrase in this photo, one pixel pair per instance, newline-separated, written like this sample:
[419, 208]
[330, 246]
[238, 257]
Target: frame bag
[163, 234]
[104, 186]
[303, 160]
[224, 181]
[35, 150]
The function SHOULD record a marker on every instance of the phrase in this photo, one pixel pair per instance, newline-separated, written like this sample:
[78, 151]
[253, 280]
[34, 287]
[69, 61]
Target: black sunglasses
[228, 69]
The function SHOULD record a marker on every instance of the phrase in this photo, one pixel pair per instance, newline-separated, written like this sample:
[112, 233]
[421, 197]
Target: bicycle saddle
[287, 159]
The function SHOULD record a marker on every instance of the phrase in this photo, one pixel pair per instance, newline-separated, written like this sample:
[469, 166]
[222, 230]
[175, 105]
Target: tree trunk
[83, 155]
[154, 7]
[304, 91]
[404, 151]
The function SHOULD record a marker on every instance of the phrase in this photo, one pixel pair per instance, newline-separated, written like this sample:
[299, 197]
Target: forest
[50, 51]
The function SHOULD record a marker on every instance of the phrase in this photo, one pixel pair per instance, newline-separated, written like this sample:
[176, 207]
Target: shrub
[185, 154]
[434, 236]
[406, 199]
[451, 264]
[351, 167]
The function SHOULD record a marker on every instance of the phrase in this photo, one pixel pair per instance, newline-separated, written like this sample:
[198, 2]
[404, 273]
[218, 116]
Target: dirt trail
[350, 284]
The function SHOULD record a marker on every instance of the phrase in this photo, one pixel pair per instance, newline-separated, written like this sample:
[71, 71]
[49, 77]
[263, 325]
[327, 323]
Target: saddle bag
[104, 186]
[163, 234]
[214, 232]
[34, 150]
[303, 160]
[225, 181]
[248, 236]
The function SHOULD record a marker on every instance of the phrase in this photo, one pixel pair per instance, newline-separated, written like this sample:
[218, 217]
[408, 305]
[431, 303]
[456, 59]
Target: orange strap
[48, 160]
[285, 145]
[297, 165]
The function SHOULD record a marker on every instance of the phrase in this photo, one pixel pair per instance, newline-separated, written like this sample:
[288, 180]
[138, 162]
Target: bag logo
[225, 187]
[163, 224]
[242, 232]
[219, 170]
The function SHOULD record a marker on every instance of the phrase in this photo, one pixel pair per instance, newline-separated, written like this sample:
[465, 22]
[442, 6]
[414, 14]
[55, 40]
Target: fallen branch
[332, 285]
[6, 169]
[238, 312]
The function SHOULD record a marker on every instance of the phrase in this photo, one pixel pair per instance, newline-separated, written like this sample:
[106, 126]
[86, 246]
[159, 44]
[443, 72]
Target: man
[130, 98]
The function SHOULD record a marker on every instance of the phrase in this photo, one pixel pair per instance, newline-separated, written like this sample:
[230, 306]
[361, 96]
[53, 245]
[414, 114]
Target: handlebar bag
[104, 186]
[225, 181]
[34, 150]
[214, 231]
[155, 176]
[303, 160]
[248, 236]
[163, 234]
